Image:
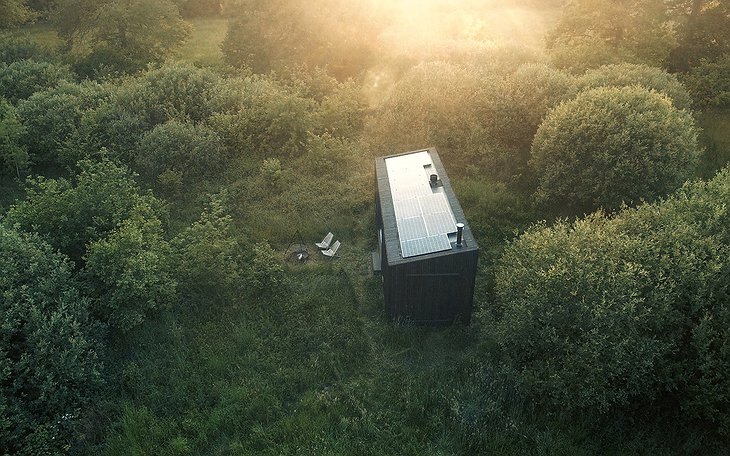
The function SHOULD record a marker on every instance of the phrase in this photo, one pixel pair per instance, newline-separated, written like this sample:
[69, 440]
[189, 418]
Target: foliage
[70, 215]
[258, 116]
[175, 91]
[612, 145]
[709, 85]
[265, 273]
[626, 74]
[271, 35]
[126, 35]
[51, 117]
[703, 33]
[444, 105]
[207, 256]
[128, 272]
[15, 49]
[636, 29]
[611, 313]
[14, 12]
[49, 354]
[13, 156]
[194, 152]
[20, 80]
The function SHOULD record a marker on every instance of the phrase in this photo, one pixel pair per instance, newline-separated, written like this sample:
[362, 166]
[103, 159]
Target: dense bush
[258, 116]
[534, 89]
[15, 49]
[207, 255]
[13, 155]
[21, 79]
[626, 74]
[128, 272]
[610, 313]
[448, 106]
[53, 116]
[709, 84]
[49, 363]
[194, 152]
[612, 145]
[71, 214]
[273, 35]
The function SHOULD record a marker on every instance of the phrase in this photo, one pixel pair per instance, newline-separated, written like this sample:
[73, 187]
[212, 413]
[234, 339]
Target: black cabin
[426, 252]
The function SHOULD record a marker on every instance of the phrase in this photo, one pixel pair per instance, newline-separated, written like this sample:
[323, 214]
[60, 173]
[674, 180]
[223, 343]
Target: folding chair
[332, 251]
[325, 242]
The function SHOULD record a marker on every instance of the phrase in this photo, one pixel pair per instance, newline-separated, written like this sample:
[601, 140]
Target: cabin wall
[436, 291]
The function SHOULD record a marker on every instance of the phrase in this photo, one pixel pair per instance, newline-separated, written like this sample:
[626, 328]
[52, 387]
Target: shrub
[193, 151]
[612, 145]
[49, 363]
[52, 116]
[627, 74]
[606, 314]
[709, 85]
[21, 79]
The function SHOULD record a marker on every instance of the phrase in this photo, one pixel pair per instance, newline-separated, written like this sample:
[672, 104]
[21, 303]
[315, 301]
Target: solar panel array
[423, 216]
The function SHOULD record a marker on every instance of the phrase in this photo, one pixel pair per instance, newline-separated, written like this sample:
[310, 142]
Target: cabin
[426, 255]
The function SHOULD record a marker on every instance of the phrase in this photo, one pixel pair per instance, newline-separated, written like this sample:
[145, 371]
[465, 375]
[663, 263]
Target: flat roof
[424, 216]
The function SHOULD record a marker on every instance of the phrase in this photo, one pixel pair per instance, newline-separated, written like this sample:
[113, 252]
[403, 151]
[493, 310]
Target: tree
[704, 32]
[207, 256]
[194, 152]
[51, 117]
[637, 30]
[20, 80]
[13, 156]
[120, 35]
[49, 362]
[612, 145]
[709, 85]
[14, 12]
[271, 35]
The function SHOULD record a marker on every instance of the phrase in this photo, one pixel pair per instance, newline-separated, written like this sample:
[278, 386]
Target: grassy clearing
[203, 46]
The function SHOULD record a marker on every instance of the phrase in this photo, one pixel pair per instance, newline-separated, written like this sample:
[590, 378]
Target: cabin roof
[419, 212]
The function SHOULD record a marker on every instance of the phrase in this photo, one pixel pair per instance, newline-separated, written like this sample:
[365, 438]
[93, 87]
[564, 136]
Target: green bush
[53, 116]
[50, 372]
[71, 214]
[627, 74]
[20, 80]
[258, 116]
[709, 85]
[194, 151]
[612, 145]
[128, 272]
[15, 49]
[608, 314]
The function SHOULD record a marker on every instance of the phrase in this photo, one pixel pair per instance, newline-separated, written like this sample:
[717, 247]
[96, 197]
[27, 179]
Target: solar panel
[423, 214]
[425, 245]
[439, 223]
[411, 228]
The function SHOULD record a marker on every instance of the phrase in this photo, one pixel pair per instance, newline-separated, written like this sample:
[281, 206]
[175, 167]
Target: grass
[203, 46]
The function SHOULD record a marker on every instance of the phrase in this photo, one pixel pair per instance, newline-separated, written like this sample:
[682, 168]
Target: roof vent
[433, 180]
[459, 234]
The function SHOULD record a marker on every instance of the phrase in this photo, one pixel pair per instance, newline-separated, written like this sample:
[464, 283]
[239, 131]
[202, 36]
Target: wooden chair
[332, 251]
[325, 244]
